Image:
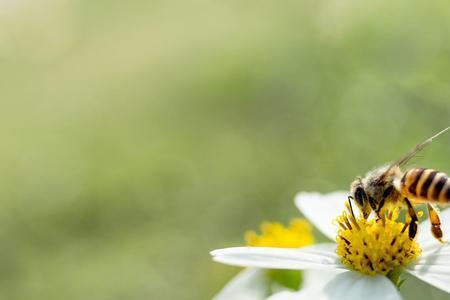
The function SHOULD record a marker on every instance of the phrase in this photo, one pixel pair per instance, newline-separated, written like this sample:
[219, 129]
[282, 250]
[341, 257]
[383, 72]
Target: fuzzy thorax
[375, 245]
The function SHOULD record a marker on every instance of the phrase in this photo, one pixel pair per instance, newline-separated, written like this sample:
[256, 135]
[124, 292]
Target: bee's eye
[360, 195]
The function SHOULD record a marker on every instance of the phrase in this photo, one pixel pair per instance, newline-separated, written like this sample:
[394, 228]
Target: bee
[389, 186]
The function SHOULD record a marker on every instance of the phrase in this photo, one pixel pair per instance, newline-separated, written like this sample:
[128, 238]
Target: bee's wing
[417, 148]
[402, 161]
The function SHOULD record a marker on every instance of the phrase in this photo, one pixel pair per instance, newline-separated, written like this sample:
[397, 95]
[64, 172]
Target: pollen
[376, 245]
[297, 234]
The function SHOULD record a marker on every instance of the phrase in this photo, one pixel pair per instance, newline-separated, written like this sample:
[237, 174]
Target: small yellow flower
[298, 234]
[374, 246]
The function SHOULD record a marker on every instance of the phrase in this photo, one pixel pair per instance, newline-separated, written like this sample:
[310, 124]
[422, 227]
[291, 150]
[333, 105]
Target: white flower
[251, 284]
[432, 266]
[256, 283]
[247, 285]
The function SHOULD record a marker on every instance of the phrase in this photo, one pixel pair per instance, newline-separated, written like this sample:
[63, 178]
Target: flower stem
[394, 276]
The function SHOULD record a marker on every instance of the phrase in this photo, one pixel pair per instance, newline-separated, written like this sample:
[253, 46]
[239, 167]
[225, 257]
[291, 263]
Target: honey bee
[389, 186]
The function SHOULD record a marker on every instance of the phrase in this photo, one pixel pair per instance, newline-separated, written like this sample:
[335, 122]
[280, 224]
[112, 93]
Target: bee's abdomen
[426, 185]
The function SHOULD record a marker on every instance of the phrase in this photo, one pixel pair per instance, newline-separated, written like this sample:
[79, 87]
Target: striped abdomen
[426, 185]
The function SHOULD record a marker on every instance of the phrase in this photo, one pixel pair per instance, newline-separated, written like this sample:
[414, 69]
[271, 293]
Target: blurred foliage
[139, 135]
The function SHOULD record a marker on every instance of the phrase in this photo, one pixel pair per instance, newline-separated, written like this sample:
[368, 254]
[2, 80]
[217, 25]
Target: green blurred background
[136, 136]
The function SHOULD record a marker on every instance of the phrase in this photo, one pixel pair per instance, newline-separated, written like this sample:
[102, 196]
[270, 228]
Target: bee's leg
[366, 212]
[386, 194]
[373, 203]
[435, 222]
[379, 208]
[414, 219]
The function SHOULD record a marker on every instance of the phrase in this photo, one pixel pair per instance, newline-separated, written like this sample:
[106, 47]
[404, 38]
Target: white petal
[354, 286]
[319, 257]
[322, 209]
[414, 288]
[250, 284]
[433, 267]
[349, 286]
[312, 285]
[316, 279]
[303, 294]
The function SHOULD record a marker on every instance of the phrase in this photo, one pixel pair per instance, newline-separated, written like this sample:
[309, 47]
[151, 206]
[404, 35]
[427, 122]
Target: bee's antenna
[350, 198]
[436, 135]
[419, 147]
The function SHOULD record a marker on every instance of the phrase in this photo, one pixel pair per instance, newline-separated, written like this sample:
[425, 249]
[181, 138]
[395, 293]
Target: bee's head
[359, 195]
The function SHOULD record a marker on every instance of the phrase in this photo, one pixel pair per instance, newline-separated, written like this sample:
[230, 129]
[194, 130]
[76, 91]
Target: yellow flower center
[374, 246]
[298, 234]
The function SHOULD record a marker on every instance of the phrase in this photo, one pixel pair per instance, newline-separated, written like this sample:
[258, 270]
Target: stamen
[378, 246]
[393, 241]
[354, 222]
[342, 225]
[345, 240]
[348, 223]
[391, 213]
